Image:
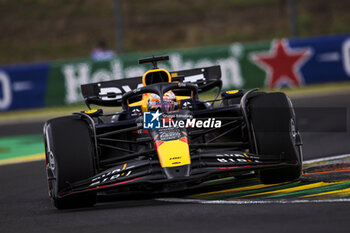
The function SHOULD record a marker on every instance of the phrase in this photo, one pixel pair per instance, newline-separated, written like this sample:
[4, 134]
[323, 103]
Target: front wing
[147, 175]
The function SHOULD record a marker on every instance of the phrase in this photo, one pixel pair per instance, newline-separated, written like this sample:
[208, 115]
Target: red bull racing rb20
[166, 139]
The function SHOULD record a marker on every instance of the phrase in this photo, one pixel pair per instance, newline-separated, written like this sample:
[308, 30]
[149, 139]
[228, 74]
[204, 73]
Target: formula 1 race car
[166, 139]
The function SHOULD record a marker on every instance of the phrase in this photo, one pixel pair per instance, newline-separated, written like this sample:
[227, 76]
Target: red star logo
[282, 64]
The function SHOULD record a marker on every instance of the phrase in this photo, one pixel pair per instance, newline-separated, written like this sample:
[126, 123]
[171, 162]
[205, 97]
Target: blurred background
[49, 48]
[41, 30]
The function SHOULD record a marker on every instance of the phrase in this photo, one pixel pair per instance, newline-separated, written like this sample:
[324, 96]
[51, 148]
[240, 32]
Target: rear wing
[109, 93]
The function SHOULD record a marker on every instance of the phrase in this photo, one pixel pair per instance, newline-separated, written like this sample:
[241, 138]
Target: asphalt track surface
[25, 206]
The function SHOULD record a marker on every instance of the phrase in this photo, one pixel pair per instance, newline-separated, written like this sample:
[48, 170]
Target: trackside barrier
[273, 64]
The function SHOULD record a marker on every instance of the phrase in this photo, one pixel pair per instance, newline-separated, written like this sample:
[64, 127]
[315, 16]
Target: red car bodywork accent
[136, 131]
[226, 167]
[102, 186]
[184, 139]
[158, 143]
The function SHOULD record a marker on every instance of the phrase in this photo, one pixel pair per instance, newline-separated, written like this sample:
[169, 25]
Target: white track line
[326, 158]
[247, 202]
[241, 202]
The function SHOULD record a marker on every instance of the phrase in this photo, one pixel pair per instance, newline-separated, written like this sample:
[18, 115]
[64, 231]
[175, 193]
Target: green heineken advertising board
[238, 69]
[273, 64]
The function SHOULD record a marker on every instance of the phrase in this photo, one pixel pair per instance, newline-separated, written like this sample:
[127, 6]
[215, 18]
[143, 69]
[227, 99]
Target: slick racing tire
[273, 124]
[69, 158]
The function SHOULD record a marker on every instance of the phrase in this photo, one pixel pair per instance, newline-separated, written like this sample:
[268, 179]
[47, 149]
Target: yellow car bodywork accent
[173, 153]
[143, 103]
[155, 71]
[178, 98]
[245, 155]
[174, 74]
[90, 111]
[232, 91]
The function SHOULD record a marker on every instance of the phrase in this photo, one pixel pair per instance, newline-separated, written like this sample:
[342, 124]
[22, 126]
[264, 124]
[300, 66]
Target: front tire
[273, 122]
[69, 158]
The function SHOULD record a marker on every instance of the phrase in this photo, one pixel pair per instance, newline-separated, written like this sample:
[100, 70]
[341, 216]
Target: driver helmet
[169, 99]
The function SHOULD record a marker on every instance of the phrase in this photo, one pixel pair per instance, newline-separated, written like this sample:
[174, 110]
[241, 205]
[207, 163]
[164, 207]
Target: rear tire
[69, 158]
[273, 122]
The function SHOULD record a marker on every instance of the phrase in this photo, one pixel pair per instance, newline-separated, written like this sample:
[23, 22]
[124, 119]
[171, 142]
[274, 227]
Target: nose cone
[173, 152]
[177, 172]
[174, 157]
